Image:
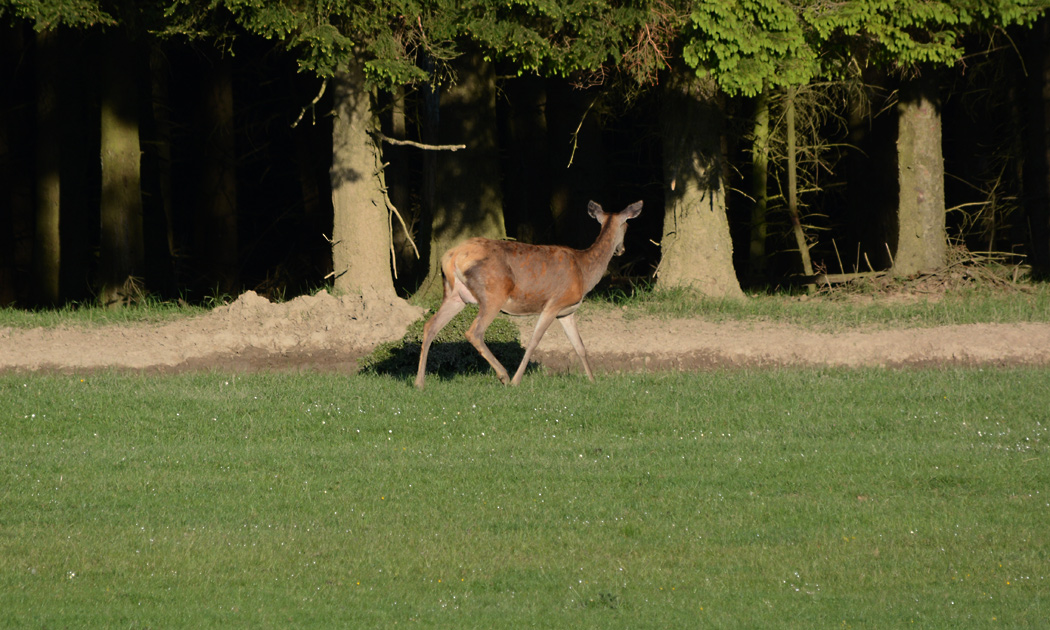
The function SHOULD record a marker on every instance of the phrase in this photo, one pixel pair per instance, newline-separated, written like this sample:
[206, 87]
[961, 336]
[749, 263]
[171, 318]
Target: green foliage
[747, 44]
[902, 34]
[512, 30]
[769, 499]
[555, 37]
[743, 44]
[49, 14]
[324, 36]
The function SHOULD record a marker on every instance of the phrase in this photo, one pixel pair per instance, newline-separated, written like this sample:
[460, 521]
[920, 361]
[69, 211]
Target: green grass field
[742, 499]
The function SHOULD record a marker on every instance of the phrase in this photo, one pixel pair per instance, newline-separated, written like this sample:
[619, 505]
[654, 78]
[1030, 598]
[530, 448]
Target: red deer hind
[522, 279]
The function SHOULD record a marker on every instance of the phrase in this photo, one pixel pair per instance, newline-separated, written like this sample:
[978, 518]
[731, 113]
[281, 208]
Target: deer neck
[595, 259]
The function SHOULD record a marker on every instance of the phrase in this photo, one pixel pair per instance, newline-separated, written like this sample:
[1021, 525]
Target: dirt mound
[332, 333]
[251, 332]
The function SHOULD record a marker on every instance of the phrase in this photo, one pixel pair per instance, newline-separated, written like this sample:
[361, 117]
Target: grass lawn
[751, 499]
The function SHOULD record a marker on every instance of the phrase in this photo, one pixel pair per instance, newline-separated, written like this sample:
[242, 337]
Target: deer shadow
[447, 359]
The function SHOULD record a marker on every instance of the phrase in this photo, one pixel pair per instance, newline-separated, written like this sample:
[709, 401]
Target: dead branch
[840, 278]
[408, 233]
[313, 103]
[576, 134]
[419, 145]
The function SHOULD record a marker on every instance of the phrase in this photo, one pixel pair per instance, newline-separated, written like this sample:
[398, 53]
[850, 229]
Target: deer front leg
[448, 309]
[568, 323]
[546, 317]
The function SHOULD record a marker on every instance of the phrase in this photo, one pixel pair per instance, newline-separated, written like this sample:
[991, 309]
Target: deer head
[617, 222]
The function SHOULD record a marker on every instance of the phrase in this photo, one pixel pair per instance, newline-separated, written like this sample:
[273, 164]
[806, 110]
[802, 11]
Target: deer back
[524, 278]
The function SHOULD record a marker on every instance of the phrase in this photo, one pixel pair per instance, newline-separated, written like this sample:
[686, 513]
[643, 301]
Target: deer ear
[595, 210]
[633, 210]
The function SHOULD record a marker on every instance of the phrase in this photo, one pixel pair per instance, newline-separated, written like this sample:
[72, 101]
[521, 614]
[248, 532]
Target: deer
[523, 279]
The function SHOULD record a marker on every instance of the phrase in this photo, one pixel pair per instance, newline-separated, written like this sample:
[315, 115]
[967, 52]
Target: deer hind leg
[568, 323]
[476, 336]
[450, 307]
[546, 317]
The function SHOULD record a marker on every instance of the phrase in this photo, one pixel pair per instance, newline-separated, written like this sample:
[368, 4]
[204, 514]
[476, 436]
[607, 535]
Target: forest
[193, 149]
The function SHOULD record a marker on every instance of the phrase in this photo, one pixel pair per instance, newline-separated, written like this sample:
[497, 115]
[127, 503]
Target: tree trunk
[360, 223]
[431, 114]
[408, 265]
[215, 229]
[397, 181]
[921, 235]
[159, 219]
[576, 162]
[17, 212]
[1037, 145]
[870, 173]
[792, 190]
[759, 190]
[527, 181]
[311, 141]
[121, 247]
[47, 249]
[467, 197]
[696, 248]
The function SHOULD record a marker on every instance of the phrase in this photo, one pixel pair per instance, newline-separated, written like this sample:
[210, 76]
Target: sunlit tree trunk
[696, 248]
[360, 230]
[921, 235]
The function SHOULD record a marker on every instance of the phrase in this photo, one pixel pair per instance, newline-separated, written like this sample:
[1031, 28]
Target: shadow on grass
[446, 359]
[450, 354]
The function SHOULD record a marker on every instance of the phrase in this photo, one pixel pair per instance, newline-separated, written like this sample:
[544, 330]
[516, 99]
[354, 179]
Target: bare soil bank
[324, 332]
